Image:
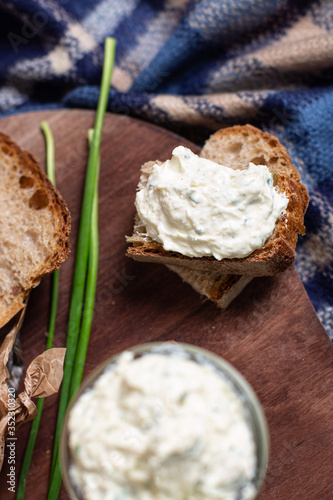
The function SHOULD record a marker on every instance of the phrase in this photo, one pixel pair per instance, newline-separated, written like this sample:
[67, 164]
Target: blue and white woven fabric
[193, 66]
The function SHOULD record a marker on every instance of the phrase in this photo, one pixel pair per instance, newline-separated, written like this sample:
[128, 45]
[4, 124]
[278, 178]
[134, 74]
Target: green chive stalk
[88, 311]
[87, 316]
[52, 320]
[81, 264]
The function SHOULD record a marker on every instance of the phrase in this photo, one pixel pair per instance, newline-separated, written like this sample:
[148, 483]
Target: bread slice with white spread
[235, 147]
[34, 227]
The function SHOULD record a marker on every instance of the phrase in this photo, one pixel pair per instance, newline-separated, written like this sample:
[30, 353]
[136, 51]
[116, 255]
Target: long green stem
[53, 313]
[50, 155]
[88, 311]
[50, 170]
[81, 262]
[87, 316]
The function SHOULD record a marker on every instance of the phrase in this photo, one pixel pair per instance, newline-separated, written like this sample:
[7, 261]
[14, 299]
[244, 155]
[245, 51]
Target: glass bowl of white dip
[164, 421]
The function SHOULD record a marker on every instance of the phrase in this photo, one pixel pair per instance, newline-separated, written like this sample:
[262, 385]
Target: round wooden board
[270, 333]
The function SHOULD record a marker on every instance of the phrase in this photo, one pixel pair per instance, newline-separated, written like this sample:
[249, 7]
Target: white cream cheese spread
[199, 208]
[161, 427]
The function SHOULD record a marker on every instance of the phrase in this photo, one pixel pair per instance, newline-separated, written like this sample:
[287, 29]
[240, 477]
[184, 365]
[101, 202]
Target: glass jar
[252, 409]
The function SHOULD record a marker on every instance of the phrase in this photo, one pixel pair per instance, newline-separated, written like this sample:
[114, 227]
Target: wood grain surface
[270, 333]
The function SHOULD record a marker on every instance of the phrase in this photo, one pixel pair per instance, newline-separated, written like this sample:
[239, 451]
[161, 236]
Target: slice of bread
[223, 289]
[220, 288]
[34, 227]
[236, 147]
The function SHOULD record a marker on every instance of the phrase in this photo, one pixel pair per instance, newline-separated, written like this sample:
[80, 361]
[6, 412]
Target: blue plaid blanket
[193, 66]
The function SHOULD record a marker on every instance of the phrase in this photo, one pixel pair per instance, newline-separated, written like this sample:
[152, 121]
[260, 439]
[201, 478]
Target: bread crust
[278, 252]
[26, 168]
[257, 146]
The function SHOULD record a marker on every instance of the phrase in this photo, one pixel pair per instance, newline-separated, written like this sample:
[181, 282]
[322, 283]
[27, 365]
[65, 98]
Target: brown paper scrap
[44, 374]
[43, 378]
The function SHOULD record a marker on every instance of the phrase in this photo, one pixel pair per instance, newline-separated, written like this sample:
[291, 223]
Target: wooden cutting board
[270, 333]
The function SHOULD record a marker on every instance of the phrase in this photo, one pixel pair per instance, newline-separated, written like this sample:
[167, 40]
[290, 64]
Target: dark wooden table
[270, 333]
